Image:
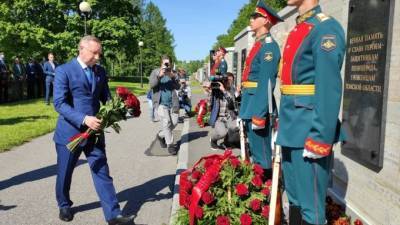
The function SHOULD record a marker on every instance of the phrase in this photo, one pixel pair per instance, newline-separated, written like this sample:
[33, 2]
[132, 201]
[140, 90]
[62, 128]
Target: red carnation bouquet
[223, 190]
[335, 214]
[110, 114]
[203, 113]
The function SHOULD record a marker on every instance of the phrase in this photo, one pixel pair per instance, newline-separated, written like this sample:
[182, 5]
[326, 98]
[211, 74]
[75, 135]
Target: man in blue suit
[49, 69]
[79, 87]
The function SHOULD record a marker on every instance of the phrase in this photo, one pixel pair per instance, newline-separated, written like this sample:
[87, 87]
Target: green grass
[22, 121]
[134, 87]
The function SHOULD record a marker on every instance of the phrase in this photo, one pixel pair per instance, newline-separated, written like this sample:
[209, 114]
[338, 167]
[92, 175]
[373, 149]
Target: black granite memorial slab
[366, 76]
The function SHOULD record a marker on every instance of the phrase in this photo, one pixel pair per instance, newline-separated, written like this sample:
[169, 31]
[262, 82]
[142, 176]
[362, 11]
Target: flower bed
[223, 190]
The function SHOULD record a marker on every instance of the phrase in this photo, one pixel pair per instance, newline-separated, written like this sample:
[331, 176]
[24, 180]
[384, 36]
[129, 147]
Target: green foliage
[32, 28]
[190, 66]
[242, 21]
[158, 40]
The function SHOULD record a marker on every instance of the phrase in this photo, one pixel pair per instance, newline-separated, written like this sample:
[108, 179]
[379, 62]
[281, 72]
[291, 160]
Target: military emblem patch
[268, 56]
[328, 43]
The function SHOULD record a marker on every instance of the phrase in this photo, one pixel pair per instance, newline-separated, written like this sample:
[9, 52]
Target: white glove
[311, 155]
[255, 127]
[238, 119]
[273, 139]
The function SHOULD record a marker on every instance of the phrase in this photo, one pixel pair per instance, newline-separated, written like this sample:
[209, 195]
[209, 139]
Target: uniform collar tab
[309, 14]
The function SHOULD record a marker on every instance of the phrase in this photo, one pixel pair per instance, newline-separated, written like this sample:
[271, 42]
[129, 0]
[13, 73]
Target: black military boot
[267, 174]
[161, 140]
[295, 215]
[172, 149]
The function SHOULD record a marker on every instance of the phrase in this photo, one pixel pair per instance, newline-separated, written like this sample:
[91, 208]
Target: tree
[31, 28]
[190, 66]
[242, 21]
[158, 40]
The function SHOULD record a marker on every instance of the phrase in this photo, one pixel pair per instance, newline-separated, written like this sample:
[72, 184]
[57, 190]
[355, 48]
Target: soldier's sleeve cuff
[318, 148]
[258, 121]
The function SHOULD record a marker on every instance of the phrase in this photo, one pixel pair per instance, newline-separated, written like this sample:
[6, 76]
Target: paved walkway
[144, 179]
[144, 183]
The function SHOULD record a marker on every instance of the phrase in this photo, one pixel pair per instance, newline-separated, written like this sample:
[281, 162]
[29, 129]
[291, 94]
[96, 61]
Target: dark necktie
[89, 75]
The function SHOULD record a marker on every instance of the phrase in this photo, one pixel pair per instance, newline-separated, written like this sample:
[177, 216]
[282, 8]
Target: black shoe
[172, 149]
[215, 146]
[121, 220]
[162, 141]
[295, 215]
[66, 214]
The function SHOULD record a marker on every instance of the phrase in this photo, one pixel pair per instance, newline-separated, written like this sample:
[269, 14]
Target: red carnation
[223, 220]
[196, 175]
[255, 205]
[199, 212]
[266, 191]
[208, 163]
[131, 101]
[132, 104]
[235, 162]
[122, 92]
[268, 183]
[265, 211]
[358, 222]
[258, 170]
[207, 198]
[242, 190]
[257, 181]
[245, 219]
[187, 186]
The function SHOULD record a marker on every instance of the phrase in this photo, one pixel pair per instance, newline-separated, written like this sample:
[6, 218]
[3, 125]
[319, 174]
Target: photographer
[184, 96]
[164, 85]
[223, 110]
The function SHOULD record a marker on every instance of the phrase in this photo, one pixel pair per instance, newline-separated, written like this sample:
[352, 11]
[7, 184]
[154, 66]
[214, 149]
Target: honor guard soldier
[311, 88]
[220, 67]
[261, 68]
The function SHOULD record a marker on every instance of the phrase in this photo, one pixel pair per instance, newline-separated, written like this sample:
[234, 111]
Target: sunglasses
[255, 16]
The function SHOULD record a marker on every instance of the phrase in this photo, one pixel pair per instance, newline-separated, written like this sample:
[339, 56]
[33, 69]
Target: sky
[195, 24]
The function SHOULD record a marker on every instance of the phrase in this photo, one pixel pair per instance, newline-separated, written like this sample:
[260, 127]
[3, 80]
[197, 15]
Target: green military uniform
[260, 68]
[223, 67]
[311, 88]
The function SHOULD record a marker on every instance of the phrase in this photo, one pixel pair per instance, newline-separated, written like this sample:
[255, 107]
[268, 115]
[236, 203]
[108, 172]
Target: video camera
[217, 78]
[166, 67]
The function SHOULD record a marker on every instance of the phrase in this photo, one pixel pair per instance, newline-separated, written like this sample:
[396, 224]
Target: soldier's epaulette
[322, 17]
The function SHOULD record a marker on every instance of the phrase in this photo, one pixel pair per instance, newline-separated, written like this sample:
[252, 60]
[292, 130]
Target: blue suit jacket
[74, 99]
[48, 69]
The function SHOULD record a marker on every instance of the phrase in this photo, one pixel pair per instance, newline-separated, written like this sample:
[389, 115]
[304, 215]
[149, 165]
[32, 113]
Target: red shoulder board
[215, 67]
[247, 66]
[293, 43]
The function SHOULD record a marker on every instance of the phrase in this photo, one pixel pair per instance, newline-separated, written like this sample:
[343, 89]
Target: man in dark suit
[49, 69]
[31, 75]
[19, 76]
[79, 87]
[4, 78]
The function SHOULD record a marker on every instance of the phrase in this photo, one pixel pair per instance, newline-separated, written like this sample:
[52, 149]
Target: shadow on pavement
[155, 149]
[194, 135]
[20, 119]
[33, 175]
[5, 207]
[138, 195]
